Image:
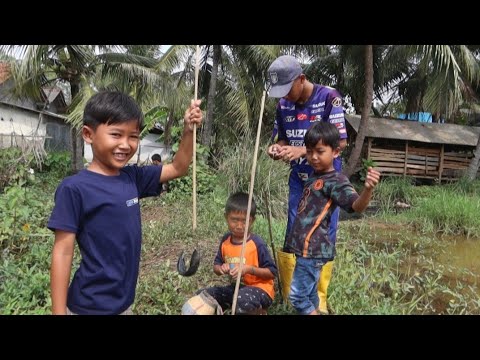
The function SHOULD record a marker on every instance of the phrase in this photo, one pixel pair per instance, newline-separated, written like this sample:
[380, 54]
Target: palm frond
[75, 110]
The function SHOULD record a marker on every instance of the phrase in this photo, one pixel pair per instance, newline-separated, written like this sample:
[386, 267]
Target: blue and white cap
[283, 71]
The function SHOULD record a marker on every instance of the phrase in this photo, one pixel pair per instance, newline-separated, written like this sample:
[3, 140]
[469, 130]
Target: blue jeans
[296, 189]
[303, 290]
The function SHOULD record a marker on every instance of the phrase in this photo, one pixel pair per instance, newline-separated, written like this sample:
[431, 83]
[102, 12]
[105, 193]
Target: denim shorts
[303, 290]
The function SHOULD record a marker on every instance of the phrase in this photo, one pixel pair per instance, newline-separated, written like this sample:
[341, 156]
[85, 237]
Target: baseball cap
[283, 71]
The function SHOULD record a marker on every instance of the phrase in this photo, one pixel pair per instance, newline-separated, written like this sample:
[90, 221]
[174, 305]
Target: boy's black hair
[111, 107]
[239, 202]
[325, 132]
[156, 157]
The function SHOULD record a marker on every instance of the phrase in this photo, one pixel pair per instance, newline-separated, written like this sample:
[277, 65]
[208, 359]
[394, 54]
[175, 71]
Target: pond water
[461, 253]
[458, 256]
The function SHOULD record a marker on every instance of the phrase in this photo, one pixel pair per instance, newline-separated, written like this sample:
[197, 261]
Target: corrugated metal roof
[35, 110]
[416, 131]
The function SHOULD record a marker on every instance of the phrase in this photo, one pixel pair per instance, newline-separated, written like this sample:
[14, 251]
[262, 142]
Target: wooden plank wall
[421, 162]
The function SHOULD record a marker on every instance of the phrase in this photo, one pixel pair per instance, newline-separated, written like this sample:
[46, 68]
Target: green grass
[382, 267]
[388, 264]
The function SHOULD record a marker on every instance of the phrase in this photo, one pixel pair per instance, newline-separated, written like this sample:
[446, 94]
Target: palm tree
[83, 69]
[367, 103]
[437, 78]
[447, 76]
[232, 78]
[343, 67]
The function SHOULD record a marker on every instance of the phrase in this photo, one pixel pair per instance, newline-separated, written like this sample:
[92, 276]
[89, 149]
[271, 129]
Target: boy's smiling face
[112, 145]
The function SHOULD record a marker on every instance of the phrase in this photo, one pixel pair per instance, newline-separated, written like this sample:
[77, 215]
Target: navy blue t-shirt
[104, 213]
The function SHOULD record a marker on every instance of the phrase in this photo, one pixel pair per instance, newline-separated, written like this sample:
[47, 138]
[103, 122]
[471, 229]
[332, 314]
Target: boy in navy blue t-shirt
[99, 207]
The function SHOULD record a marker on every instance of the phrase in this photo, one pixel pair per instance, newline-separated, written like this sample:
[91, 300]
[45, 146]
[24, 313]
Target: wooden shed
[421, 150]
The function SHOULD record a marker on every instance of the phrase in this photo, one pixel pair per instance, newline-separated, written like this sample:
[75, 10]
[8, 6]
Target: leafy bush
[23, 214]
[206, 182]
[14, 167]
[58, 162]
[25, 280]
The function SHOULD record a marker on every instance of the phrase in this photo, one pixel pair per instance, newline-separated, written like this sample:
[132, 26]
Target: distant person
[324, 191]
[157, 160]
[256, 292]
[303, 104]
[99, 209]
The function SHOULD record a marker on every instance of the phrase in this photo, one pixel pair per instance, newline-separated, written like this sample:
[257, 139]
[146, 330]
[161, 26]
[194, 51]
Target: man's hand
[193, 115]
[289, 153]
[372, 178]
[273, 151]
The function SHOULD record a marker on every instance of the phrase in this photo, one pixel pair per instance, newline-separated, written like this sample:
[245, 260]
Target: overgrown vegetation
[271, 177]
[387, 264]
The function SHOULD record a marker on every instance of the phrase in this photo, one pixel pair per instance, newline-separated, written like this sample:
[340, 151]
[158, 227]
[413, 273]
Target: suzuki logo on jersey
[302, 117]
[289, 119]
[296, 133]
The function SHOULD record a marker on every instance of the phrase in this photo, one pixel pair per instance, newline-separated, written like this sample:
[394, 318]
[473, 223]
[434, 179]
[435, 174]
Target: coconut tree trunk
[367, 103]
[77, 139]
[473, 167]
[208, 123]
[76, 150]
[167, 137]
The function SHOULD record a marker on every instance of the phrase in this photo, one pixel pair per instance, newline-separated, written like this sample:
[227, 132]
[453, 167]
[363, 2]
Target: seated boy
[256, 292]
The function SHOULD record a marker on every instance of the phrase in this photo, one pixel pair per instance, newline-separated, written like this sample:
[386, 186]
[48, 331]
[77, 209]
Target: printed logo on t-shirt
[336, 102]
[233, 260]
[132, 202]
[318, 184]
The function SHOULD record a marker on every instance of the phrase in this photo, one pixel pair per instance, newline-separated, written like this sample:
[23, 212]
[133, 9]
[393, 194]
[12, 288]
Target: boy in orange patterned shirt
[256, 291]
